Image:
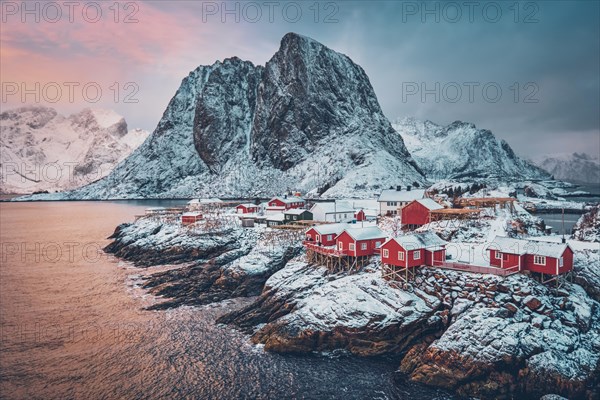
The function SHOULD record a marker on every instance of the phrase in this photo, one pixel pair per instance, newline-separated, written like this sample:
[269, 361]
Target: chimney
[285, 196]
[398, 188]
[408, 188]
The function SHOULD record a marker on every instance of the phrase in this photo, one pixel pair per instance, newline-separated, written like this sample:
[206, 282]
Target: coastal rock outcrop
[217, 265]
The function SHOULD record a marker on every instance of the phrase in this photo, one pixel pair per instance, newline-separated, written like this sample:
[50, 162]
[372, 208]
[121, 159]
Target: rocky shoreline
[476, 335]
[219, 265]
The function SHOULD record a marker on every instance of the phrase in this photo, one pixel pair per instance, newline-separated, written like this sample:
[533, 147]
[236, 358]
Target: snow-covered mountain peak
[78, 149]
[575, 167]
[309, 120]
[462, 151]
[105, 118]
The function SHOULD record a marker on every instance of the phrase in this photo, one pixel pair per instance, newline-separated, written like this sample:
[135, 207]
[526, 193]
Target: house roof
[191, 214]
[371, 232]
[247, 205]
[523, 246]
[334, 207]
[296, 211]
[429, 204]
[288, 200]
[401, 195]
[423, 240]
[275, 217]
[327, 229]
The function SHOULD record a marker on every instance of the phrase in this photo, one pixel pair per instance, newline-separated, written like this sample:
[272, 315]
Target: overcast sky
[529, 73]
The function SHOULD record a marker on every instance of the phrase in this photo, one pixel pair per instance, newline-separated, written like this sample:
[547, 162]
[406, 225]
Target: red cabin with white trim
[278, 204]
[410, 251]
[246, 208]
[325, 235]
[416, 213]
[359, 242]
[531, 255]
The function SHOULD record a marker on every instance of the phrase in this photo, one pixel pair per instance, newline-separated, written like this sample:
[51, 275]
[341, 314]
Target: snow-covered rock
[526, 340]
[587, 227]
[304, 309]
[539, 191]
[308, 120]
[42, 150]
[221, 263]
[576, 167]
[461, 151]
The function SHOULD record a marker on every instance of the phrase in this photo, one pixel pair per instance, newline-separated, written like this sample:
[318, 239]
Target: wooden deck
[326, 250]
[480, 269]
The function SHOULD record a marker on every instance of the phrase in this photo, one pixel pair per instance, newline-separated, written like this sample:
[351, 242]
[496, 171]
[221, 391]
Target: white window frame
[351, 247]
[340, 246]
[377, 245]
[539, 260]
[417, 255]
[498, 255]
[561, 262]
[386, 253]
[329, 237]
[401, 255]
[318, 238]
[363, 246]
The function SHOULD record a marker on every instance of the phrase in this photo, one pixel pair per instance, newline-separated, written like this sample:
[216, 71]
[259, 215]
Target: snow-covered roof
[192, 214]
[247, 205]
[522, 246]
[295, 211]
[430, 204]
[401, 195]
[288, 200]
[334, 207]
[328, 229]
[371, 232]
[423, 240]
[275, 217]
[155, 209]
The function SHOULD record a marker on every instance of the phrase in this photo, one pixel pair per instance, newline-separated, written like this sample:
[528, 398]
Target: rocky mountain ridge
[308, 120]
[462, 151]
[42, 150]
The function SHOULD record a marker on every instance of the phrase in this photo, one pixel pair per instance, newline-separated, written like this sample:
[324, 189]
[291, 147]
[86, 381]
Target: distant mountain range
[308, 120]
[41, 150]
[460, 151]
[574, 167]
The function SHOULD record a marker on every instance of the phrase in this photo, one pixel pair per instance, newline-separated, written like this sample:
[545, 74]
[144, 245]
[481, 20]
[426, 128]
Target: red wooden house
[360, 242]
[246, 208]
[191, 217]
[280, 204]
[325, 235]
[400, 254]
[531, 255]
[360, 215]
[416, 213]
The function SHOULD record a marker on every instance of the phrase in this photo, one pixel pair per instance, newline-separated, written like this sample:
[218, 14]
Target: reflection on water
[72, 326]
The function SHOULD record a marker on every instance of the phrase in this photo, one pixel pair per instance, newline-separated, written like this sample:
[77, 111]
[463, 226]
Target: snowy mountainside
[462, 151]
[308, 120]
[576, 167]
[42, 150]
